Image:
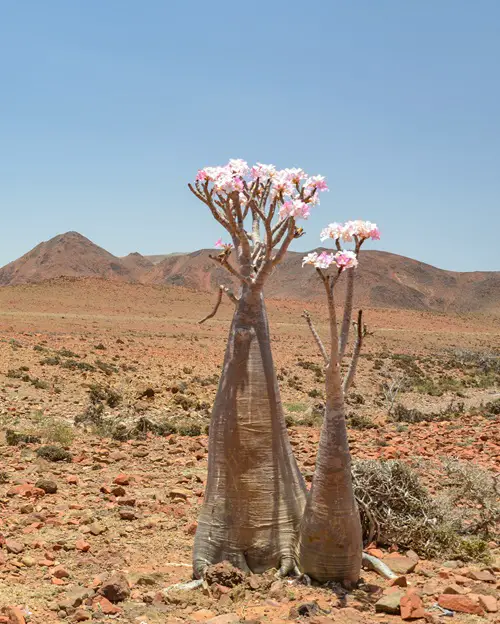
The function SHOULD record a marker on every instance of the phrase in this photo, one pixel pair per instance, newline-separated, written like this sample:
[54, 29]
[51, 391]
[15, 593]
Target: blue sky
[108, 108]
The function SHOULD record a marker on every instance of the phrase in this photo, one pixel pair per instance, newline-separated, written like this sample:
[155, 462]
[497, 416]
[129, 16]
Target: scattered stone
[452, 588]
[127, 513]
[60, 572]
[82, 546]
[102, 605]
[411, 606]
[115, 588]
[96, 529]
[82, 615]
[14, 615]
[481, 575]
[14, 547]
[225, 574]
[74, 598]
[122, 479]
[400, 565]
[47, 485]
[308, 609]
[227, 618]
[489, 603]
[389, 603]
[462, 604]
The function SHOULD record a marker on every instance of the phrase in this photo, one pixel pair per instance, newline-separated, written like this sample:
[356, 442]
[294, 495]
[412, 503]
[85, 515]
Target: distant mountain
[384, 280]
[69, 254]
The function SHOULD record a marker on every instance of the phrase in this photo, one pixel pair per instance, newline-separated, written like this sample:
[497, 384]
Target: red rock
[399, 581]
[462, 604]
[489, 603]
[60, 572]
[190, 529]
[399, 564]
[103, 605]
[58, 581]
[482, 575]
[72, 480]
[14, 615]
[82, 546]
[122, 479]
[376, 552]
[411, 606]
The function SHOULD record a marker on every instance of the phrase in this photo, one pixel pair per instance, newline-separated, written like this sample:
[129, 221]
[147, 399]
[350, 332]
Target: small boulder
[462, 604]
[115, 588]
[47, 485]
[389, 603]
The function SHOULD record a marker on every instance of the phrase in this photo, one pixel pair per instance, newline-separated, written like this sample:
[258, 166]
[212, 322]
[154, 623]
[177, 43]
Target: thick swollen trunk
[255, 493]
[330, 537]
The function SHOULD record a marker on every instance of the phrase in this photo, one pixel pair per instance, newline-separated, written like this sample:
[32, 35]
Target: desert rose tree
[330, 537]
[255, 494]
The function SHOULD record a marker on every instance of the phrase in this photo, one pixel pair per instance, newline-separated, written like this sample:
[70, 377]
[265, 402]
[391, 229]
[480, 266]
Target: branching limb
[355, 356]
[315, 334]
[207, 199]
[229, 293]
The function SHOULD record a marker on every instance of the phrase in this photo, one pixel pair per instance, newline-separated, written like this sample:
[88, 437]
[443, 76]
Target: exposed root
[184, 586]
[373, 563]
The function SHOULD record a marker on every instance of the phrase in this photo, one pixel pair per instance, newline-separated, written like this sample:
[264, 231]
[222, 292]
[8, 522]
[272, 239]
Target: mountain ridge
[383, 279]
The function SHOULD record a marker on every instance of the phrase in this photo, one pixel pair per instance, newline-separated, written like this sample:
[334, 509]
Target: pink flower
[346, 259]
[295, 208]
[317, 182]
[263, 172]
[310, 258]
[320, 261]
[333, 230]
[324, 260]
[239, 167]
[202, 175]
[219, 244]
[361, 229]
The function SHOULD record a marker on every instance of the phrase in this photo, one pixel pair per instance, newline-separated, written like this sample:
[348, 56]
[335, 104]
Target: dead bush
[396, 508]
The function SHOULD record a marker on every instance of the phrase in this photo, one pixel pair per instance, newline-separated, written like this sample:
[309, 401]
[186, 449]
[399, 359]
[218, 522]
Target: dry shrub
[396, 508]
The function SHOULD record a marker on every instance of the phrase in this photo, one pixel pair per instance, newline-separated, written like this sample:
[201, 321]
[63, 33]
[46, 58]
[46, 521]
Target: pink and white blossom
[310, 258]
[317, 182]
[346, 259]
[324, 260]
[333, 230]
[295, 208]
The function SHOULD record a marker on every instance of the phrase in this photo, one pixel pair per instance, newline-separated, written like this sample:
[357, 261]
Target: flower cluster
[342, 260]
[350, 230]
[293, 189]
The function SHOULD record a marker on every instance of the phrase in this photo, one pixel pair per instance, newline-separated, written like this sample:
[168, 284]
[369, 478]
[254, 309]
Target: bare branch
[315, 334]
[229, 293]
[355, 356]
[286, 242]
[216, 306]
[222, 260]
[329, 282]
[346, 321]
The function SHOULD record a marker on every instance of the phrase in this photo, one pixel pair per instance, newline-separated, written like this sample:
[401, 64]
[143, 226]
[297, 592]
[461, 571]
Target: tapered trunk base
[330, 536]
[255, 493]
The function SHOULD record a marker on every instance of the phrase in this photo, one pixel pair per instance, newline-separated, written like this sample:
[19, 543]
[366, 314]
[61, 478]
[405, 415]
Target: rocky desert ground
[105, 396]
